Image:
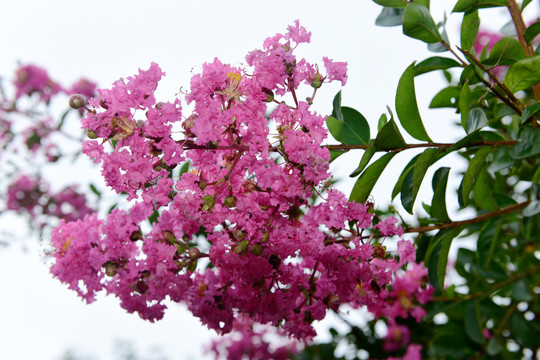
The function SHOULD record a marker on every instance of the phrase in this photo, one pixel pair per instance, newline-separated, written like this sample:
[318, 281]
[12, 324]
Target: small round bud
[91, 134]
[257, 250]
[76, 102]
[110, 268]
[194, 253]
[202, 184]
[139, 124]
[230, 201]
[265, 238]
[242, 247]
[239, 234]
[269, 95]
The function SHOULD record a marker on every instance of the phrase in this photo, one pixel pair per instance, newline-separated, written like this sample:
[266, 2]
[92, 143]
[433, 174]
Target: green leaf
[476, 119]
[532, 31]
[392, 3]
[524, 4]
[406, 106]
[407, 197]
[365, 183]
[439, 46]
[63, 119]
[355, 128]
[482, 193]
[335, 127]
[530, 111]
[528, 143]
[488, 241]
[406, 170]
[469, 29]
[425, 160]
[494, 346]
[334, 154]
[523, 74]
[366, 157]
[438, 202]
[470, 74]
[382, 121]
[521, 291]
[418, 24]
[464, 101]
[472, 323]
[437, 256]
[505, 52]
[390, 17]
[447, 97]
[471, 5]
[434, 63]
[336, 103]
[475, 166]
[389, 137]
[95, 190]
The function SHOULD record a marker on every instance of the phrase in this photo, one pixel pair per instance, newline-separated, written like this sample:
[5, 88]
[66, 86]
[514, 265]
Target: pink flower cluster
[34, 197]
[31, 79]
[254, 233]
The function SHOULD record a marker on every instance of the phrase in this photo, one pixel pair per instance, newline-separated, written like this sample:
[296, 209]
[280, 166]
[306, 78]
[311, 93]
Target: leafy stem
[492, 288]
[519, 24]
[509, 99]
[489, 215]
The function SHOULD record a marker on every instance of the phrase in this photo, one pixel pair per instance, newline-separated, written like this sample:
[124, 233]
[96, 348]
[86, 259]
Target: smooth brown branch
[519, 24]
[491, 289]
[424, 145]
[510, 99]
[489, 215]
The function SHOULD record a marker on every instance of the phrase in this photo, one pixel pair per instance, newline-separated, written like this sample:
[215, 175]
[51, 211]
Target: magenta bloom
[83, 87]
[32, 79]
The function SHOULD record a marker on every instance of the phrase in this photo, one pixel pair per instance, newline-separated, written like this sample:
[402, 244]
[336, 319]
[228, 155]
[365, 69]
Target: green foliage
[496, 302]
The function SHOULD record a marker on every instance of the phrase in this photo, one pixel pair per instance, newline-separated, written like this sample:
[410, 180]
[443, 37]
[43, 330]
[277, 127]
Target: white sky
[106, 40]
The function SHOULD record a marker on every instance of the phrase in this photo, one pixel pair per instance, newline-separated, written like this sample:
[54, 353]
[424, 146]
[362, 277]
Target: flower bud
[139, 286]
[202, 184]
[317, 80]
[269, 95]
[136, 235]
[76, 102]
[110, 268]
[91, 134]
[257, 250]
[239, 234]
[208, 203]
[241, 248]
[230, 201]
[194, 253]
[265, 238]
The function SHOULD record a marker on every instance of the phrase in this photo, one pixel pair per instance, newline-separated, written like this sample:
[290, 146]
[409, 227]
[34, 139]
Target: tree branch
[510, 99]
[489, 215]
[519, 24]
[492, 289]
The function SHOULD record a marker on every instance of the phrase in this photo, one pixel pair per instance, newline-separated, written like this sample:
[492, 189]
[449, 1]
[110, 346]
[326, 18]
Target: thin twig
[489, 215]
[510, 99]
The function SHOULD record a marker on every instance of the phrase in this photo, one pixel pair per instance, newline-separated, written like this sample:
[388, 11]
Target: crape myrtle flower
[254, 233]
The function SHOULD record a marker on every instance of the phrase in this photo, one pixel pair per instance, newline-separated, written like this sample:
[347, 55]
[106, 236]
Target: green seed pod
[230, 201]
[91, 134]
[257, 250]
[194, 253]
[76, 102]
[208, 203]
[242, 247]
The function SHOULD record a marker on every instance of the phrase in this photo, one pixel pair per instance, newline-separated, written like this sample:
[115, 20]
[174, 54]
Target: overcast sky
[105, 40]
